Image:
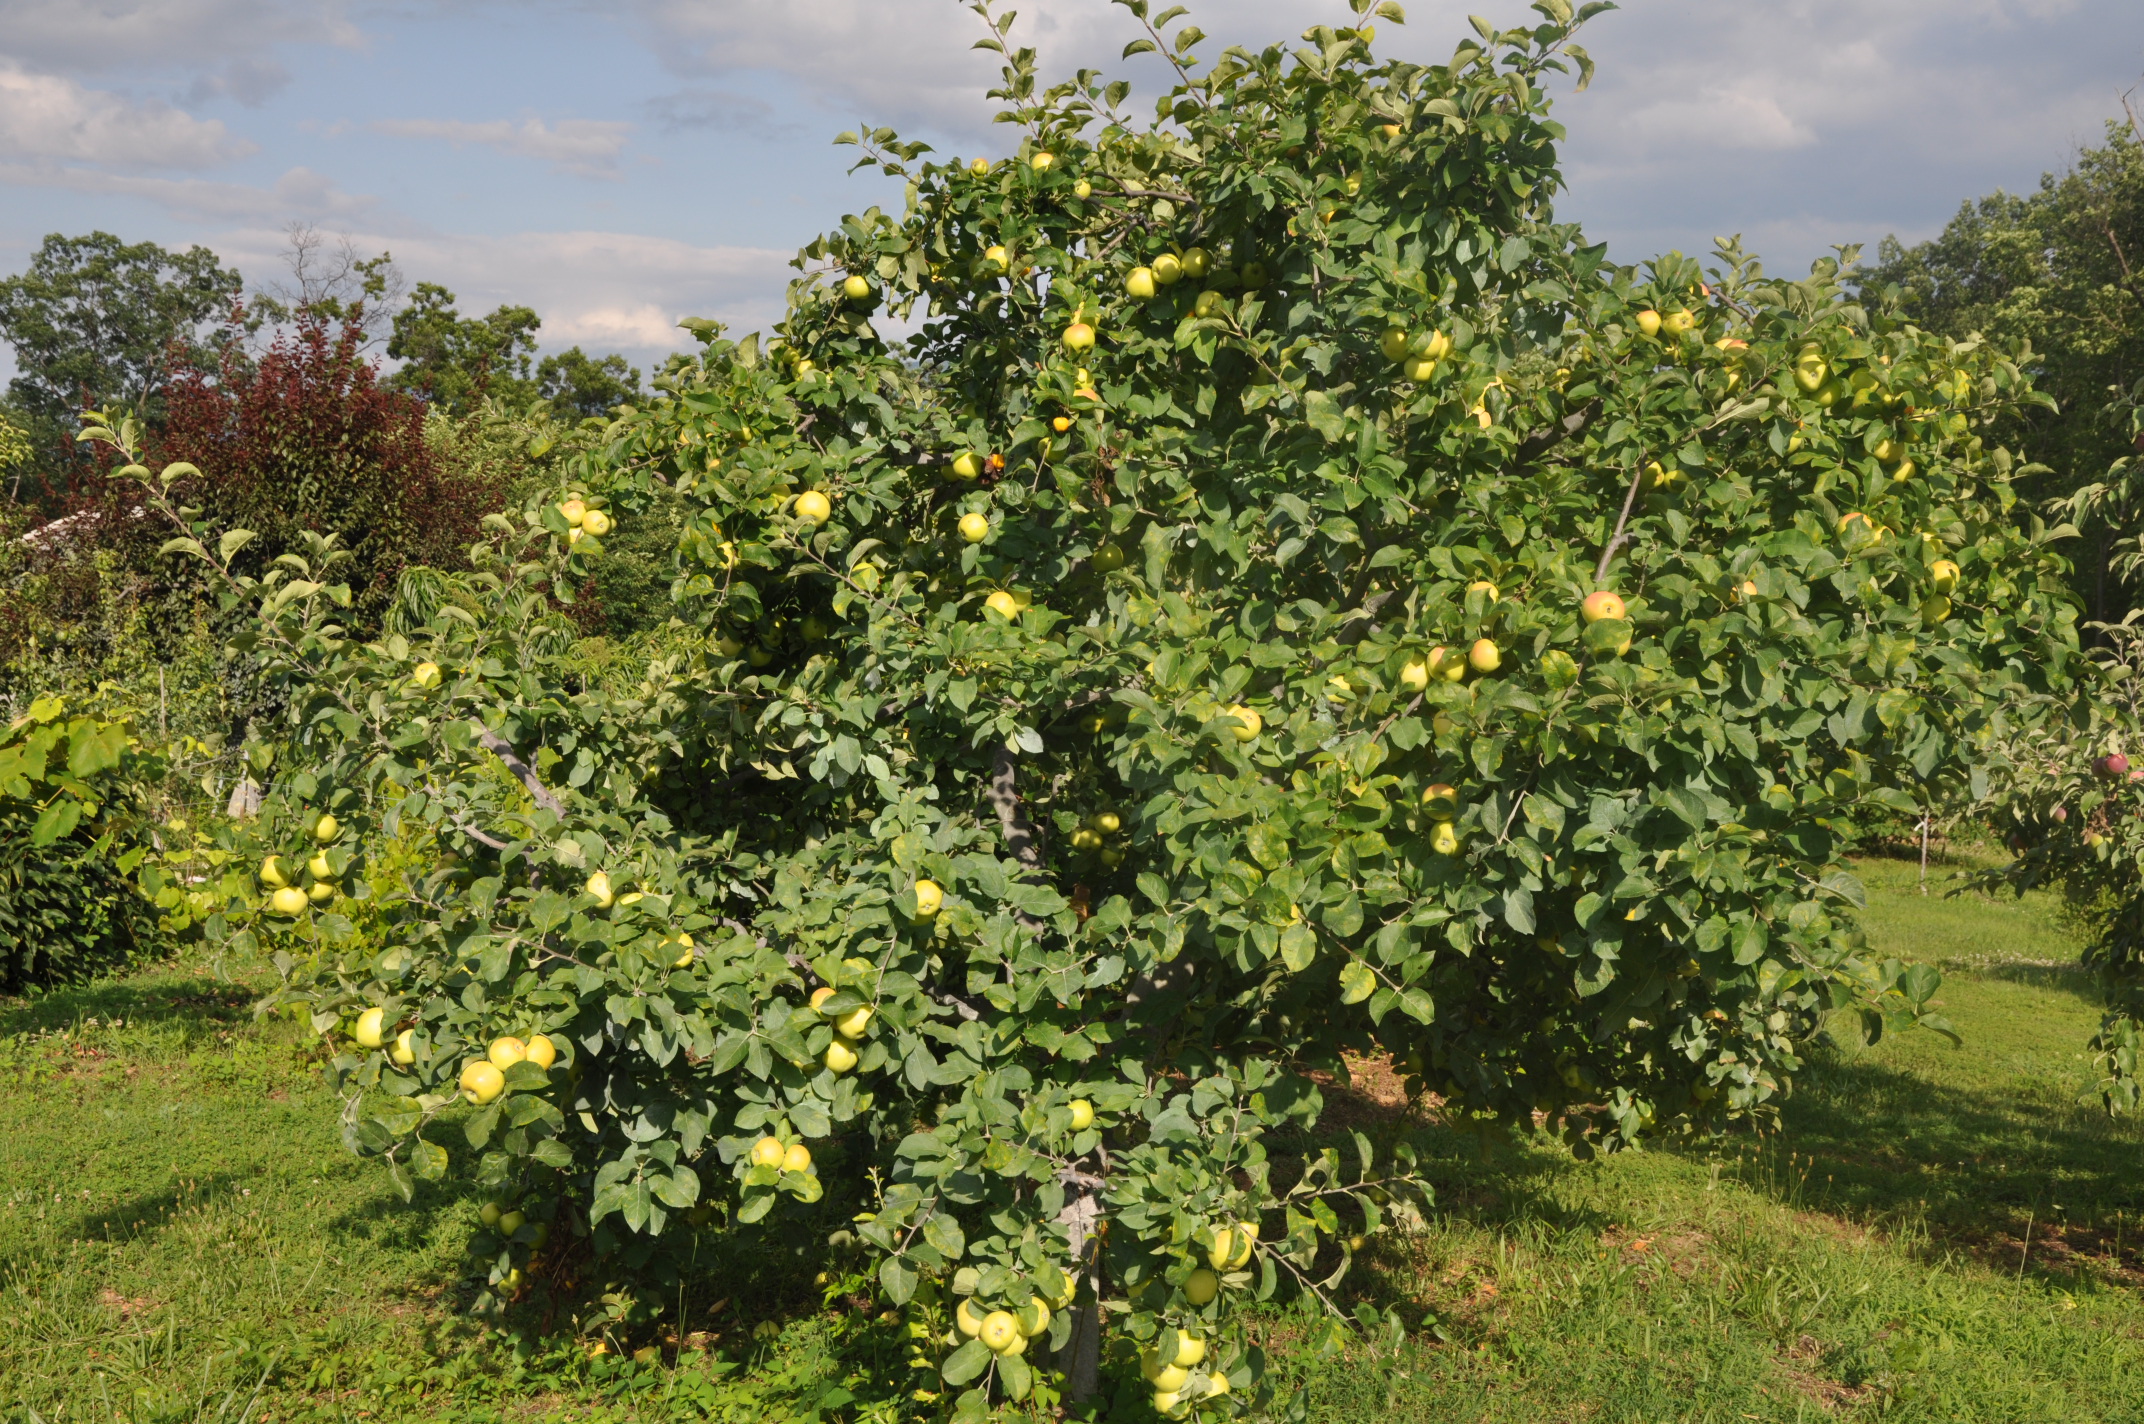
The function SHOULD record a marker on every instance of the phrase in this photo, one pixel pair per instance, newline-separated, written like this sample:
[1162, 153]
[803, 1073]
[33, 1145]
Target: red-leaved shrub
[309, 438]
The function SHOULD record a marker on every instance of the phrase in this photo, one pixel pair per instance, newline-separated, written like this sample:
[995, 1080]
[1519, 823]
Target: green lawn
[1938, 1234]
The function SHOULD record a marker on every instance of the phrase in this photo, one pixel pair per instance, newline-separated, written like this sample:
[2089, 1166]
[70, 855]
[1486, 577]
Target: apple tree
[1292, 600]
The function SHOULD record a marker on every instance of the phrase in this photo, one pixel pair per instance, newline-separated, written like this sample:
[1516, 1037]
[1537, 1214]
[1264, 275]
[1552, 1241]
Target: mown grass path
[1937, 1233]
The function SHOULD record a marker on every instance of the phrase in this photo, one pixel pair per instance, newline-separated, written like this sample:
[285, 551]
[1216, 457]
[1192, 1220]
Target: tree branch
[499, 747]
[1618, 539]
[1018, 832]
[1534, 446]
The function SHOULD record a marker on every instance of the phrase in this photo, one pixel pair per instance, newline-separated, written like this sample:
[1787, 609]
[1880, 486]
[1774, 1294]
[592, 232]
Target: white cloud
[584, 148]
[603, 291]
[46, 117]
[300, 193]
[194, 35]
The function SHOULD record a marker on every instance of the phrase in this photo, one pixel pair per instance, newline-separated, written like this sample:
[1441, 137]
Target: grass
[1936, 1233]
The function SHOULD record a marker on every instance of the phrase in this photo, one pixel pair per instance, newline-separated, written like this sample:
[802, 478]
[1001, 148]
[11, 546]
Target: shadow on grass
[160, 999]
[1980, 1169]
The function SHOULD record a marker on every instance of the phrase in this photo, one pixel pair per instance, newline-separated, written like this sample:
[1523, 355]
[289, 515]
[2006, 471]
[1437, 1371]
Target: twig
[1617, 540]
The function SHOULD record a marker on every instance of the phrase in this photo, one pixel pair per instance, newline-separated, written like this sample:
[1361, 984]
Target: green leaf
[966, 1363]
[58, 819]
[1357, 982]
[899, 1279]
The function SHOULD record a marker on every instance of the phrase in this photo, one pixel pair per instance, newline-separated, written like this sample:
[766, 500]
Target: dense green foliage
[2052, 270]
[1139, 693]
[72, 833]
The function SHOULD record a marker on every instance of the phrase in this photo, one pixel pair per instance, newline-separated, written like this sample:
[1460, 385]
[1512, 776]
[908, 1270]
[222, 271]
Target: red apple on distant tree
[2113, 764]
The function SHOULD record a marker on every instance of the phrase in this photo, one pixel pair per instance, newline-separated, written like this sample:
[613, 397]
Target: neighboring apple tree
[1292, 599]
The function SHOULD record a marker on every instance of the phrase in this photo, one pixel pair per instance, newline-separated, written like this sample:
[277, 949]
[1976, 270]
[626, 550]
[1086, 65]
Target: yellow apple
[813, 507]
[1167, 1402]
[595, 522]
[1248, 723]
[1196, 262]
[684, 945]
[929, 899]
[1945, 574]
[511, 1222]
[840, 1058]
[1079, 336]
[288, 901]
[1042, 160]
[979, 167]
[1677, 323]
[370, 1028]
[319, 866]
[598, 888]
[1602, 604]
[797, 1158]
[1649, 322]
[1139, 283]
[998, 258]
[1419, 369]
[572, 511]
[767, 1152]
[853, 1023]
[967, 465]
[1163, 1375]
[1202, 1287]
[1394, 343]
[1414, 675]
[326, 829]
[1083, 189]
[1082, 1114]
[505, 1052]
[541, 1051]
[1003, 604]
[271, 873]
[481, 1082]
[1444, 838]
[1484, 587]
[1168, 268]
[425, 675]
[998, 1332]
[405, 1050]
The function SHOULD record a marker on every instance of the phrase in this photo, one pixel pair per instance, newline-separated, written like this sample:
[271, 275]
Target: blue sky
[620, 165]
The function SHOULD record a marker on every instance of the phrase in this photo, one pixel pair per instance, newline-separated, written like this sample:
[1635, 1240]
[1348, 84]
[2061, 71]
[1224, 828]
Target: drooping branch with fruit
[1291, 601]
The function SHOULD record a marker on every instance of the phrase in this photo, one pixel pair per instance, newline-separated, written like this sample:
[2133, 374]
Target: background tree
[95, 321]
[453, 362]
[579, 386]
[2061, 270]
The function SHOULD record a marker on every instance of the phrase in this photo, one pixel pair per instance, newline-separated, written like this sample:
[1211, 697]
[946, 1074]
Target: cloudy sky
[620, 165]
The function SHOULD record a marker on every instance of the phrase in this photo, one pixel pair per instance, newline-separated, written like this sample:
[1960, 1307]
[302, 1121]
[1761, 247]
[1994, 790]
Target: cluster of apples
[581, 518]
[1822, 383]
[483, 1079]
[1177, 1380]
[849, 1030]
[1091, 837]
[784, 1156]
[291, 900]
[1415, 353]
[1006, 1332]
